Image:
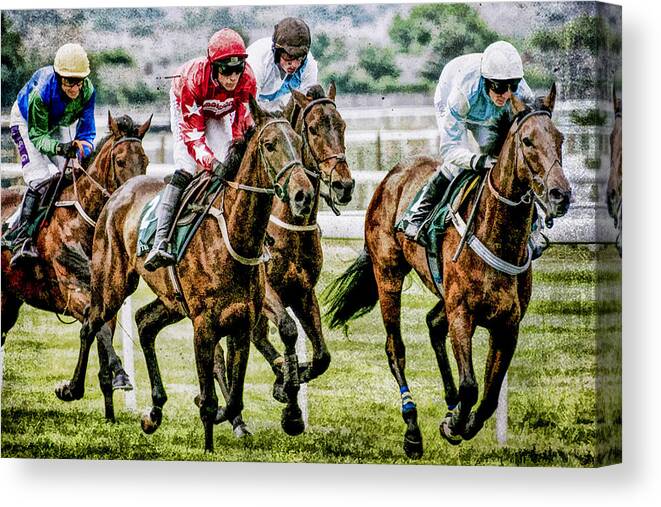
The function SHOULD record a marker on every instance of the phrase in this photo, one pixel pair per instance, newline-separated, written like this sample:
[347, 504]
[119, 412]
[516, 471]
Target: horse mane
[500, 129]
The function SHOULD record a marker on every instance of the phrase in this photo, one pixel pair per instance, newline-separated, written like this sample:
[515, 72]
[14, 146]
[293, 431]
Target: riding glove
[219, 169]
[68, 150]
[482, 163]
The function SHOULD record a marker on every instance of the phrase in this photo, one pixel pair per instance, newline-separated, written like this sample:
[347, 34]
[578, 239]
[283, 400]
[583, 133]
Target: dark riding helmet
[291, 35]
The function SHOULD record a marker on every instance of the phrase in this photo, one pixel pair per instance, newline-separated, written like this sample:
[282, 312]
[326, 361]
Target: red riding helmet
[224, 44]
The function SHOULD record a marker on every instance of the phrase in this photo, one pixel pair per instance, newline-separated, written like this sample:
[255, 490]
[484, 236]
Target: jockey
[208, 110]
[283, 63]
[53, 100]
[472, 92]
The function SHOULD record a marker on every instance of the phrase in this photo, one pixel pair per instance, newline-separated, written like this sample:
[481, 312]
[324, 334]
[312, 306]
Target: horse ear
[518, 105]
[300, 99]
[331, 91]
[257, 112]
[549, 100]
[112, 125]
[144, 127]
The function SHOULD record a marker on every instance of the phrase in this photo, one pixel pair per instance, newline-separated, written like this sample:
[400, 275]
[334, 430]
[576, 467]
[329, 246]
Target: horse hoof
[413, 448]
[151, 420]
[292, 422]
[446, 432]
[121, 382]
[241, 431]
[66, 393]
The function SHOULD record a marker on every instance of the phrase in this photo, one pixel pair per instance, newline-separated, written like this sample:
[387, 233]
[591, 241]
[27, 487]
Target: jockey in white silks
[282, 63]
[472, 92]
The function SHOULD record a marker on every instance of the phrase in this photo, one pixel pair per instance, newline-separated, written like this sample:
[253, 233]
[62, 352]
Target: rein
[281, 191]
[476, 245]
[104, 191]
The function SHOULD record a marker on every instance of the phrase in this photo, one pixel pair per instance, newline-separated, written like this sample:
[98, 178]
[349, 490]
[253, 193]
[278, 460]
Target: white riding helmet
[71, 61]
[501, 61]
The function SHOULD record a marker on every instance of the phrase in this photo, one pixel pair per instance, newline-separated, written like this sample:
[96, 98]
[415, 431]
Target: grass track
[354, 409]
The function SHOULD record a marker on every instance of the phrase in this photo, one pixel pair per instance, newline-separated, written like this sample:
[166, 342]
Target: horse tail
[351, 295]
[74, 258]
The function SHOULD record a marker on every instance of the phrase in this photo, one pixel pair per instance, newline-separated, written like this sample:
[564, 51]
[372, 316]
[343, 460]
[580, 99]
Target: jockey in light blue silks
[55, 99]
[282, 63]
[472, 92]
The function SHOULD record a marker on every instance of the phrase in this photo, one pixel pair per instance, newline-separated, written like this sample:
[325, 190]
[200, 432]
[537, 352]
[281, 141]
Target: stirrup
[25, 252]
[159, 257]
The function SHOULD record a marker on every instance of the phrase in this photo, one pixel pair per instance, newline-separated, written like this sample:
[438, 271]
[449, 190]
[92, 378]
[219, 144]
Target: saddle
[49, 190]
[455, 197]
[193, 207]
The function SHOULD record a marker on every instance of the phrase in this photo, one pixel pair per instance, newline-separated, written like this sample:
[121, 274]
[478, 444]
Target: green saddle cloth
[436, 225]
[185, 227]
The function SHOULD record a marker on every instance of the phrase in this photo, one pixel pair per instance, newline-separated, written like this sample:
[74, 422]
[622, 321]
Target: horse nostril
[558, 196]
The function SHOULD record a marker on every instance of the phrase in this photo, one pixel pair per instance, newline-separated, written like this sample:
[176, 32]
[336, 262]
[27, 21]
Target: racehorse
[220, 277]
[297, 257]
[54, 283]
[614, 190]
[474, 291]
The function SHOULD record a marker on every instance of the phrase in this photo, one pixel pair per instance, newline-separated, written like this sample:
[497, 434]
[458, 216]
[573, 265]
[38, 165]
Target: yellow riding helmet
[71, 61]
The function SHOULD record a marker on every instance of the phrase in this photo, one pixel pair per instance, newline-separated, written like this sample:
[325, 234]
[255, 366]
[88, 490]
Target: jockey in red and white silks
[205, 117]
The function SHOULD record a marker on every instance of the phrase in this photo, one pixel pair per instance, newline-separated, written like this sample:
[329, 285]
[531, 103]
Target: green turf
[557, 416]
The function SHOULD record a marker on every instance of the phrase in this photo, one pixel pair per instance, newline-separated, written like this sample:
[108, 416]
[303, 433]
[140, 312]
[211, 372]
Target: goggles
[71, 82]
[230, 66]
[500, 87]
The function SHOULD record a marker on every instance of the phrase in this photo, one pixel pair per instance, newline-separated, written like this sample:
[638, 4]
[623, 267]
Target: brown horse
[297, 257]
[54, 282]
[492, 293]
[614, 191]
[221, 277]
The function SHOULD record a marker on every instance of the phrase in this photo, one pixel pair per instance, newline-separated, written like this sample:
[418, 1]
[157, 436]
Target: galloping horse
[614, 191]
[222, 288]
[491, 289]
[297, 257]
[52, 282]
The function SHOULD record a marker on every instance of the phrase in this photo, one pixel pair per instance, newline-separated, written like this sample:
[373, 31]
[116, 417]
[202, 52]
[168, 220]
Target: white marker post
[501, 414]
[126, 320]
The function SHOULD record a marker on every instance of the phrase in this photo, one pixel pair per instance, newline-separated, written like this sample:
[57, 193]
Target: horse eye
[121, 163]
[270, 146]
[527, 142]
[313, 130]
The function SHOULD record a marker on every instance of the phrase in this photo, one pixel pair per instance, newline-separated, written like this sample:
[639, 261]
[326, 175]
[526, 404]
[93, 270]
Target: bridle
[280, 191]
[338, 157]
[540, 196]
[106, 193]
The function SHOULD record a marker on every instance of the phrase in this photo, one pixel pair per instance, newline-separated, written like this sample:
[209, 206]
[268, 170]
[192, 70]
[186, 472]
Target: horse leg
[220, 374]
[105, 376]
[307, 312]
[10, 306]
[502, 343]
[238, 349]
[205, 340]
[389, 283]
[437, 323]
[120, 379]
[150, 319]
[462, 327]
[275, 311]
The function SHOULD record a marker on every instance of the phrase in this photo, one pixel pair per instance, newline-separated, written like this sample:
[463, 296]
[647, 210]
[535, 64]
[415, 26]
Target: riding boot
[159, 256]
[432, 192]
[29, 208]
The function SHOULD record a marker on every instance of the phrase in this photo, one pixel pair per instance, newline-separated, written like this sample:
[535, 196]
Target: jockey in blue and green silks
[55, 99]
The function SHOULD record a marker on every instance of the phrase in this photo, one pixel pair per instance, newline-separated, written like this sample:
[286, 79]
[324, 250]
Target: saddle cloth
[194, 204]
[436, 224]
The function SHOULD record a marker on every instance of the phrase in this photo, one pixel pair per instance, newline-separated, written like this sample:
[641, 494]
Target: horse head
[614, 189]
[123, 154]
[278, 148]
[322, 128]
[538, 155]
